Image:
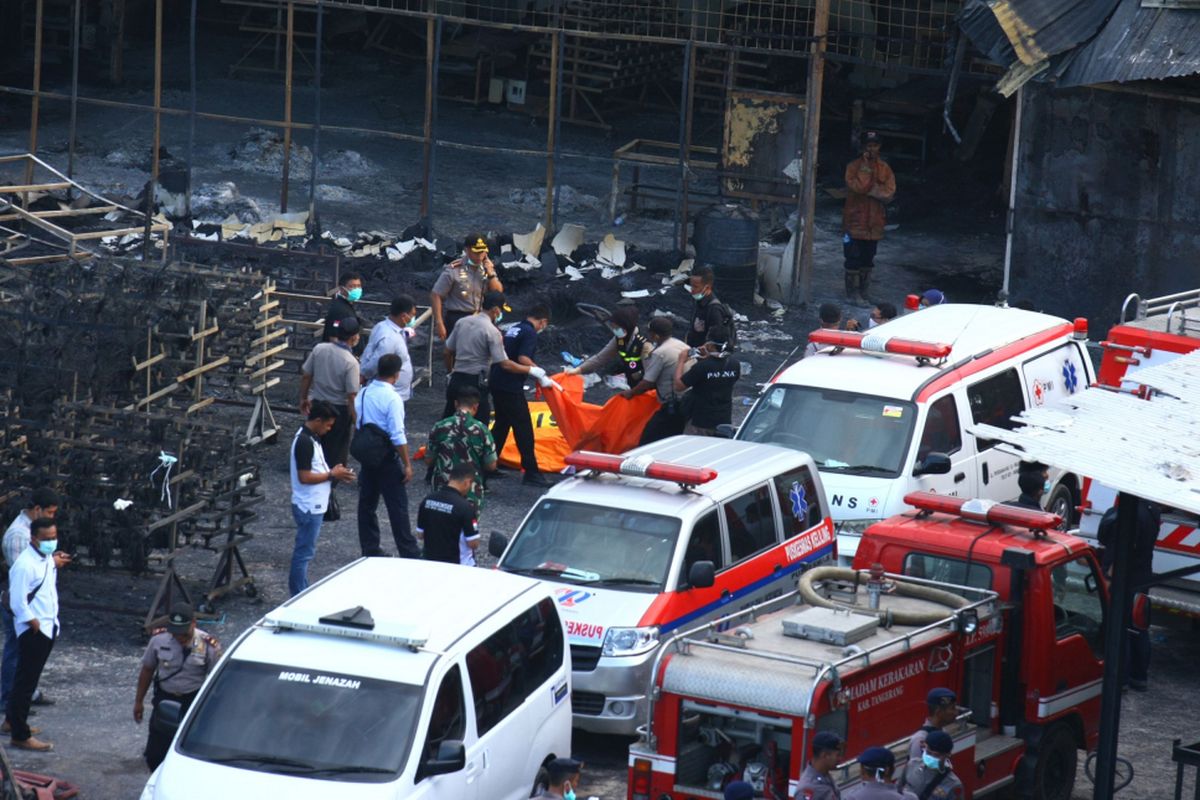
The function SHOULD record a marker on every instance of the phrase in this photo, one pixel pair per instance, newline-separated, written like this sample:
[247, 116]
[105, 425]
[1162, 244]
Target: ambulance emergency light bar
[640, 467]
[874, 343]
[988, 511]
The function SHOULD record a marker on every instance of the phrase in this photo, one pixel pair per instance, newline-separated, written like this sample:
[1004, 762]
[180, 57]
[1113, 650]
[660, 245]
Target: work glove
[538, 374]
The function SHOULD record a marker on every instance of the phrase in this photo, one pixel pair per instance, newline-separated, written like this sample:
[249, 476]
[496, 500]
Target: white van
[886, 414]
[667, 535]
[391, 678]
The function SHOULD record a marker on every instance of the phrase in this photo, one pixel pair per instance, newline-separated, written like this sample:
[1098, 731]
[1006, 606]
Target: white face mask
[871, 323]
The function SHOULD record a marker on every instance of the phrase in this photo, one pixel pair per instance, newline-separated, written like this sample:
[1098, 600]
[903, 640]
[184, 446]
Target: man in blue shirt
[508, 392]
[379, 404]
[391, 335]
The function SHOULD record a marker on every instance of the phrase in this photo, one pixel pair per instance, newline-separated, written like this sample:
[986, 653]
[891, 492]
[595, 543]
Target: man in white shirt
[312, 479]
[391, 336]
[379, 404]
[43, 504]
[33, 597]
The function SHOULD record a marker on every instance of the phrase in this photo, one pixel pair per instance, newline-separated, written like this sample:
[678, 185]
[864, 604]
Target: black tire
[1057, 761]
[1062, 502]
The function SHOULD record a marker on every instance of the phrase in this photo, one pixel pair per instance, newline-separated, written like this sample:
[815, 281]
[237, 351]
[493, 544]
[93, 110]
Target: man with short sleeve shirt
[391, 336]
[448, 522]
[312, 478]
[816, 781]
[379, 404]
[33, 597]
[473, 347]
[459, 290]
[330, 373]
[508, 392]
[711, 380]
[671, 418]
[176, 661]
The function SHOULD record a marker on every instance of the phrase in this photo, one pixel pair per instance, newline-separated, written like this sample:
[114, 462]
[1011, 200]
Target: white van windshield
[595, 545]
[296, 721]
[849, 433]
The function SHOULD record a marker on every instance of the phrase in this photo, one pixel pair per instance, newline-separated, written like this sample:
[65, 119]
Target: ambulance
[668, 535]
[884, 413]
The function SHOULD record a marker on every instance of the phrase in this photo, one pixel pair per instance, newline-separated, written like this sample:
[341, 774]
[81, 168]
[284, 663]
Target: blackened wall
[1107, 201]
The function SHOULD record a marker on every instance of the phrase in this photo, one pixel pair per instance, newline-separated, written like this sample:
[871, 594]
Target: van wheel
[1054, 778]
[1062, 502]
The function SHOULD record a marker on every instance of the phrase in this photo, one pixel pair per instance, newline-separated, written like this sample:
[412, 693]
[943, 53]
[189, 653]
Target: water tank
[726, 238]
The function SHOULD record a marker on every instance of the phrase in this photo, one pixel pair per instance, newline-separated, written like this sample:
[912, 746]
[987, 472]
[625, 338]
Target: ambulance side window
[750, 520]
[703, 545]
[799, 505]
[942, 432]
[448, 720]
[995, 401]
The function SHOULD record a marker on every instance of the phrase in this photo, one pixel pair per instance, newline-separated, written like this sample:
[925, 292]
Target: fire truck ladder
[1174, 306]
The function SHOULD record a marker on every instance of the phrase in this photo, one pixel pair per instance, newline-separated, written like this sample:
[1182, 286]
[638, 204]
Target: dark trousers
[336, 443]
[33, 649]
[451, 319]
[1136, 653]
[158, 742]
[456, 382]
[386, 481]
[860, 253]
[512, 412]
[664, 423]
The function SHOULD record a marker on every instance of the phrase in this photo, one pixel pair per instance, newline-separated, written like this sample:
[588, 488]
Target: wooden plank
[208, 401]
[200, 370]
[149, 362]
[269, 337]
[267, 369]
[257, 357]
[265, 307]
[117, 232]
[155, 396]
[264, 387]
[263, 323]
[35, 187]
[205, 333]
[64, 212]
[183, 513]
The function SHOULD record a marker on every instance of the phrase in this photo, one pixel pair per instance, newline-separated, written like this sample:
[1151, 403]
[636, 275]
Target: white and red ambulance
[665, 536]
[884, 413]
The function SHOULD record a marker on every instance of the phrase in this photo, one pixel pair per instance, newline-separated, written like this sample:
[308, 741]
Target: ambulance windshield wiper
[618, 581]
[557, 572]
[264, 760]
[858, 469]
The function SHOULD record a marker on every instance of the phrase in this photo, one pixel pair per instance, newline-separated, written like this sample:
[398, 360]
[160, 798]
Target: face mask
[931, 762]
[871, 323]
[697, 295]
[1046, 487]
[618, 332]
[47, 546]
[499, 317]
[354, 295]
[568, 792]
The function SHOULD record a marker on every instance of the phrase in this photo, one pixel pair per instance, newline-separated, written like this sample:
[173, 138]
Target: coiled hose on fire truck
[886, 616]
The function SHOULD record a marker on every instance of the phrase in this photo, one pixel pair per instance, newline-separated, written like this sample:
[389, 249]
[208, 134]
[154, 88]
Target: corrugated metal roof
[1138, 44]
[1031, 30]
[1148, 448]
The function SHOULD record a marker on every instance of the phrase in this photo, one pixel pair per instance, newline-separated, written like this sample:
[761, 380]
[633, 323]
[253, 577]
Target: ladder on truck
[1171, 308]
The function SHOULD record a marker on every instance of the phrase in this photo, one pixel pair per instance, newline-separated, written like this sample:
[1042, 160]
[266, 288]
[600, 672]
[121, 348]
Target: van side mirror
[701, 575]
[166, 718]
[933, 464]
[726, 430]
[451, 757]
[497, 543]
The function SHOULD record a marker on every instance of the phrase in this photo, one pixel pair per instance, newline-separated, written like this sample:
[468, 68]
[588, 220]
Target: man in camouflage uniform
[462, 438]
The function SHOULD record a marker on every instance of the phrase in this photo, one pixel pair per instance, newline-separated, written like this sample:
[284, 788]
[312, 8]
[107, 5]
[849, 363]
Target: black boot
[852, 278]
[864, 287]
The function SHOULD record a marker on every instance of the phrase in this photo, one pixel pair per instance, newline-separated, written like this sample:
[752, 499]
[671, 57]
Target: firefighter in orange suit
[870, 184]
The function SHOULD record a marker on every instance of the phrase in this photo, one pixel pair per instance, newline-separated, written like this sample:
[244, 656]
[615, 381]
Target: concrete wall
[1108, 200]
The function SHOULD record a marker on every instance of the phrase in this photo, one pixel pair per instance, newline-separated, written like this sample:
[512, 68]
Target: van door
[995, 401]
[512, 673]
[449, 721]
[942, 432]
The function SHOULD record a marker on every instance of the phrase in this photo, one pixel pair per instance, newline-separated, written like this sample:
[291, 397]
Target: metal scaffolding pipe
[551, 128]
[287, 107]
[37, 88]
[158, 23]
[191, 145]
[802, 264]
[75, 31]
[316, 148]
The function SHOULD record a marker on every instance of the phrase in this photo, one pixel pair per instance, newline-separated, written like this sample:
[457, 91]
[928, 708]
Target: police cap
[826, 741]
[494, 300]
[739, 790]
[345, 328]
[877, 758]
[180, 619]
[941, 696]
[939, 742]
[562, 768]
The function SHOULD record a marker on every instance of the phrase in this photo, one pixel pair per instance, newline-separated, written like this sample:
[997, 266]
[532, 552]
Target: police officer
[877, 765]
[739, 790]
[943, 709]
[459, 290]
[563, 776]
[473, 347]
[931, 777]
[627, 346]
[815, 781]
[177, 660]
[671, 417]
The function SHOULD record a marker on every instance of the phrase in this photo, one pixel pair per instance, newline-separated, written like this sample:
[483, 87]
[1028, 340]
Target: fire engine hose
[895, 616]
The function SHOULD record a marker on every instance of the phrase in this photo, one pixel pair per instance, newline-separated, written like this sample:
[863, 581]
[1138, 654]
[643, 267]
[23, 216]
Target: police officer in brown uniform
[877, 765]
[177, 660]
[815, 781]
[943, 709]
[458, 291]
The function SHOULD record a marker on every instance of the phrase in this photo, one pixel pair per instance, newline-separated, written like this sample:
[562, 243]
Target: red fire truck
[983, 598]
[1151, 332]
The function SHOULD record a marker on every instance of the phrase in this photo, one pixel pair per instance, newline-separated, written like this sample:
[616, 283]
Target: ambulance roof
[739, 465]
[391, 590]
[774, 672]
[970, 330]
